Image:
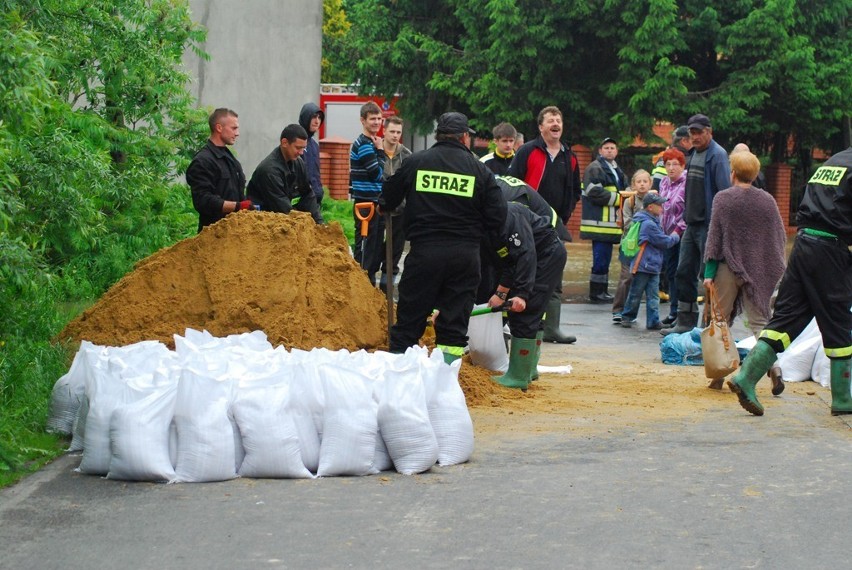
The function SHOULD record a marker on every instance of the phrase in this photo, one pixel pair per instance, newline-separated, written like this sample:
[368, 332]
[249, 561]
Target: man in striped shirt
[366, 163]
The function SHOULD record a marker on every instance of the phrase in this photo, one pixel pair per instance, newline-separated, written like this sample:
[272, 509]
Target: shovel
[389, 268]
[364, 211]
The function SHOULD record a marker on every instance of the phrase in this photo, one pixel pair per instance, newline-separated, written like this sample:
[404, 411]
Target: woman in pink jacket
[672, 187]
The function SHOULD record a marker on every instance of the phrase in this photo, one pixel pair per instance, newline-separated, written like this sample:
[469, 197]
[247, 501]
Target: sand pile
[281, 274]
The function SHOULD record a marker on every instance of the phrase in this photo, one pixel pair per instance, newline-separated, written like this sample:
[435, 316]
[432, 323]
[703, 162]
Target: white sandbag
[139, 432]
[821, 369]
[485, 341]
[105, 393]
[205, 435]
[447, 409]
[67, 395]
[404, 419]
[349, 423]
[269, 436]
[797, 361]
[306, 409]
[381, 458]
[78, 431]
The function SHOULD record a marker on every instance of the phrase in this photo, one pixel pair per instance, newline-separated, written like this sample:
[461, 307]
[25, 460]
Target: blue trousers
[649, 284]
[601, 258]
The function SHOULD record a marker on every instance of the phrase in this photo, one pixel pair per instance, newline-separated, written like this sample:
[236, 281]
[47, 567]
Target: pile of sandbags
[217, 408]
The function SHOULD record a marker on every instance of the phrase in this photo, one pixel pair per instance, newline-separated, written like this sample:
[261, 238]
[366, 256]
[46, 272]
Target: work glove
[244, 205]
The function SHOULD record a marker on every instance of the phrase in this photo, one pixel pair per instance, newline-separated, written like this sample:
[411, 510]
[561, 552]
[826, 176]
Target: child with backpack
[640, 184]
[651, 241]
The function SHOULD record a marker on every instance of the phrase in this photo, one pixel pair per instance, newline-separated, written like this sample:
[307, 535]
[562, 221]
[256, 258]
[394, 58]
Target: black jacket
[214, 176]
[827, 203]
[280, 186]
[558, 181]
[450, 196]
[311, 157]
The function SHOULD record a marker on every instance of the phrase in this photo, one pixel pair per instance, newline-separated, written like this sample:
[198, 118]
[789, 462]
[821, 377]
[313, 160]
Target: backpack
[630, 243]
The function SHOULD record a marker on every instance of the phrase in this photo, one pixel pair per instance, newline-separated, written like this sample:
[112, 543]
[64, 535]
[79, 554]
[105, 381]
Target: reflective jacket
[601, 202]
[450, 197]
[827, 203]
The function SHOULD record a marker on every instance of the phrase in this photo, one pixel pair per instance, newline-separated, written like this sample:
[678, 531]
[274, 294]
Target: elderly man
[708, 173]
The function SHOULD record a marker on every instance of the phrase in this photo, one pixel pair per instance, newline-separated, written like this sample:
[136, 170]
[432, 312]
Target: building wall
[265, 58]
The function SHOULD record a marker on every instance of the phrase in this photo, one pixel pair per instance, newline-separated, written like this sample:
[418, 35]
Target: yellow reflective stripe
[454, 350]
[600, 230]
[553, 218]
[503, 252]
[512, 181]
[844, 352]
[610, 188]
[445, 183]
[783, 338]
[828, 175]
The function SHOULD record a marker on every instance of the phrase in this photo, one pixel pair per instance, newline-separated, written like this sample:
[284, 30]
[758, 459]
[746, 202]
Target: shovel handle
[488, 310]
[365, 211]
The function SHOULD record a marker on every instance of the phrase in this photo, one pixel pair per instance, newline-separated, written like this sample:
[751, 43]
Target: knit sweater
[746, 232]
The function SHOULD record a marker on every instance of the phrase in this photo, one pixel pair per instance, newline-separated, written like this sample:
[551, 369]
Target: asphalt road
[727, 490]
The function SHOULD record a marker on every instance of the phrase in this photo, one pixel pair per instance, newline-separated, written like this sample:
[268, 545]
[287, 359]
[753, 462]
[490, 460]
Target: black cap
[699, 122]
[653, 198]
[608, 140]
[453, 124]
[681, 132]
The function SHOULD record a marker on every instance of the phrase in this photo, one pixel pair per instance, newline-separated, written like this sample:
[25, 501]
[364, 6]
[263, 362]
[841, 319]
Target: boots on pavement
[521, 361]
[551, 324]
[755, 365]
[841, 399]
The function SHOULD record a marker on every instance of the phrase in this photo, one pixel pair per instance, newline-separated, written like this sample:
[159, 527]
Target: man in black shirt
[214, 176]
[280, 182]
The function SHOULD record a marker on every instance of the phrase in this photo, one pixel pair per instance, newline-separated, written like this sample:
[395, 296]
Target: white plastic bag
[68, 393]
[485, 341]
[798, 360]
[205, 436]
[447, 409]
[139, 432]
[404, 419]
[349, 423]
[269, 437]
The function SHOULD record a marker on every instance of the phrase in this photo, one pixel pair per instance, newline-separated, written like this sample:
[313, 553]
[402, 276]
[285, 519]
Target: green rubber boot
[841, 400]
[551, 324]
[521, 361]
[534, 372]
[754, 367]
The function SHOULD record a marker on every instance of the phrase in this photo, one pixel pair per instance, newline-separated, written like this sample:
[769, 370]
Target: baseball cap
[699, 122]
[453, 123]
[653, 198]
[608, 140]
[681, 132]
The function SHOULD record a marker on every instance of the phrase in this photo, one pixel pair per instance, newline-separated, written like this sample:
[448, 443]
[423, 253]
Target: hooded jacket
[311, 156]
[651, 234]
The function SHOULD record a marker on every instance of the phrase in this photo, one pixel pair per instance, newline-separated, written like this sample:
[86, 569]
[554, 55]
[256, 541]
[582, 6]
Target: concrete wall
[265, 64]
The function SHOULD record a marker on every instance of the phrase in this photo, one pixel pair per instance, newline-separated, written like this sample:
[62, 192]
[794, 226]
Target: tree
[763, 70]
[334, 28]
[95, 124]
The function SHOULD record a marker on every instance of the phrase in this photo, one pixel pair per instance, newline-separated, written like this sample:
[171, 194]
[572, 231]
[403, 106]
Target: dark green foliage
[95, 125]
[763, 70]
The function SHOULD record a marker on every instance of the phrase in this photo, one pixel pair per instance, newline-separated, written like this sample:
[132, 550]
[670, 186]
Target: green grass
[340, 211]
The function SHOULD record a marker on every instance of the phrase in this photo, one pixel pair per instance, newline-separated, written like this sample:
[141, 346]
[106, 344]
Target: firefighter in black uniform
[452, 200]
[817, 283]
[530, 257]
